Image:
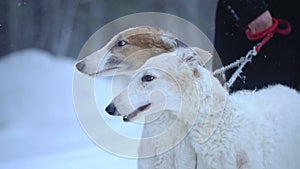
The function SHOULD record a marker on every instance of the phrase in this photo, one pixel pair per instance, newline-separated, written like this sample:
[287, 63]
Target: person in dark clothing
[278, 61]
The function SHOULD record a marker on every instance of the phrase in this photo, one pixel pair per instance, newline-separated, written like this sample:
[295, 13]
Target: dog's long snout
[112, 110]
[80, 66]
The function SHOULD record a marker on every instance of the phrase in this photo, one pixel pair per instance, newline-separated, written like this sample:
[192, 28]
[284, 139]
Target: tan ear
[194, 56]
[204, 56]
[168, 42]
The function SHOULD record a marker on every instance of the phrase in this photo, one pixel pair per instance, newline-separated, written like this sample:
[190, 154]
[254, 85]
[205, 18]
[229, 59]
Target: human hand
[260, 23]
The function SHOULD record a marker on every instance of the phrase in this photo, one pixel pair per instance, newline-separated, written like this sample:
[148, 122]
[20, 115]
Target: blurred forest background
[63, 26]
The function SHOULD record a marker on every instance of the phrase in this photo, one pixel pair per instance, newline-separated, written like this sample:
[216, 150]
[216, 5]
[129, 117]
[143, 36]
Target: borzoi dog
[247, 129]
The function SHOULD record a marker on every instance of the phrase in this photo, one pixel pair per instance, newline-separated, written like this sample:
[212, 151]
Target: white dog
[248, 129]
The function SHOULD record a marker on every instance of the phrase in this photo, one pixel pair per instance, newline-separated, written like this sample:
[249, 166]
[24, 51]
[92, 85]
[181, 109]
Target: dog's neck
[210, 102]
[213, 125]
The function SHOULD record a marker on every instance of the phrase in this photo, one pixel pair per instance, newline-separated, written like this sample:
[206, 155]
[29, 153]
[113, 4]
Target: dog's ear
[168, 42]
[194, 55]
[202, 56]
[180, 44]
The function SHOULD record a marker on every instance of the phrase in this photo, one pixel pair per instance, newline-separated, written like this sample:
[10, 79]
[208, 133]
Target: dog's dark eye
[148, 78]
[121, 43]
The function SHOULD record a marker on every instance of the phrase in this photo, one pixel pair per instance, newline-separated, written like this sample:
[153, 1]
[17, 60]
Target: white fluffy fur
[256, 129]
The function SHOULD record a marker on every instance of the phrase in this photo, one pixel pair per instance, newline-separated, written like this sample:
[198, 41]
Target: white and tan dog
[129, 50]
[244, 130]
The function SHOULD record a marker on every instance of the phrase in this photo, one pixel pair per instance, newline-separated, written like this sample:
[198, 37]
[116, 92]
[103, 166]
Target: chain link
[240, 63]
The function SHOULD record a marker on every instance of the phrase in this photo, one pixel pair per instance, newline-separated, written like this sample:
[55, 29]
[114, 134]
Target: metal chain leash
[240, 63]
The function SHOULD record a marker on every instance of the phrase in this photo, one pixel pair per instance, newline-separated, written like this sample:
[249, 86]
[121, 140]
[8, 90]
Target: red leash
[279, 26]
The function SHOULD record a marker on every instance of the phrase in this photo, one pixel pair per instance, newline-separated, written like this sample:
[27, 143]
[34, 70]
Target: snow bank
[38, 123]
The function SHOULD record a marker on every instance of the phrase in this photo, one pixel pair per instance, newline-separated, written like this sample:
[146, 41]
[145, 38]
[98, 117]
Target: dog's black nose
[80, 66]
[111, 109]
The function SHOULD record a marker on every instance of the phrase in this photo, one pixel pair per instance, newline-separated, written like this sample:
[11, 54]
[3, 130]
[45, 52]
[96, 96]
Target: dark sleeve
[244, 11]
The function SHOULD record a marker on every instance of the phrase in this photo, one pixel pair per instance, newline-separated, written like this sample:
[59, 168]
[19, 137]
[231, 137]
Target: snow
[39, 128]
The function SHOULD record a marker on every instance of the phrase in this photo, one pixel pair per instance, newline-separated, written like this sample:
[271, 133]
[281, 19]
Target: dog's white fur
[247, 129]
